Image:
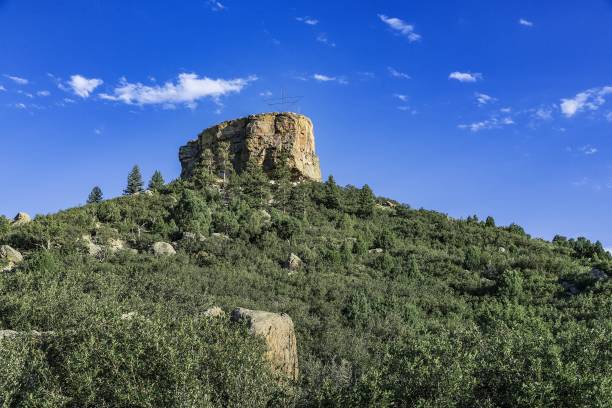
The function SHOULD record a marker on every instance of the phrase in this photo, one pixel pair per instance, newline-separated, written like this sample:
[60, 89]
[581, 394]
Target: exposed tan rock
[279, 334]
[12, 334]
[214, 311]
[163, 249]
[21, 219]
[259, 139]
[10, 254]
[92, 249]
[294, 262]
[116, 245]
[376, 251]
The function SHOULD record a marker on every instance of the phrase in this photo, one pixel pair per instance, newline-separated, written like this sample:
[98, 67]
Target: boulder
[376, 251]
[294, 262]
[263, 139]
[163, 249]
[10, 254]
[279, 335]
[116, 245]
[12, 334]
[92, 249]
[21, 218]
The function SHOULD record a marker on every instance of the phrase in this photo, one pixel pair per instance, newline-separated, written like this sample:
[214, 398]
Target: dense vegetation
[393, 306]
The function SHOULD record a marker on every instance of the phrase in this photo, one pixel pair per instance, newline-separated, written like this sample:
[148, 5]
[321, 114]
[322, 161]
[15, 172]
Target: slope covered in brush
[392, 305]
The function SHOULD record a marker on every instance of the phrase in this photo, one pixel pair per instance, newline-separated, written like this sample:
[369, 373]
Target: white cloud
[266, 93]
[81, 86]
[26, 94]
[308, 20]
[327, 78]
[215, 5]
[609, 116]
[187, 90]
[484, 99]
[2, 88]
[322, 38]
[609, 250]
[525, 23]
[465, 76]
[97, 131]
[588, 150]
[401, 27]
[43, 93]
[401, 97]
[20, 106]
[17, 80]
[543, 113]
[506, 110]
[590, 99]
[397, 74]
[491, 123]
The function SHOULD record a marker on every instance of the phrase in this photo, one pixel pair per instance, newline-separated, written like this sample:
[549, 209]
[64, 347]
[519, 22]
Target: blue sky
[466, 107]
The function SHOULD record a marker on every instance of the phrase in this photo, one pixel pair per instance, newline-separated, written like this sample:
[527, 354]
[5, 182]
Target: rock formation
[9, 258]
[21, 219]
[163, 249]
[262, 139]
[279, 334]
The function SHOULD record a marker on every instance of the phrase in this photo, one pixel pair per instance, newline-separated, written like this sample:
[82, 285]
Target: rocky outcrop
[261, 139]
[294, 262]
[163, 249]
[279, 334]
[9, 258]
[21, 219]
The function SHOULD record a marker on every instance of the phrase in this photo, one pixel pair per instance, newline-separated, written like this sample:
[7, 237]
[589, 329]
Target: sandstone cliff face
[261, 139]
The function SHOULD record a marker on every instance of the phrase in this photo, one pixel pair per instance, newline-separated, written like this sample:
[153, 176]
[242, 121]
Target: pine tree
[95, 196]
[366, 202]
[157, 181]
[134, 183]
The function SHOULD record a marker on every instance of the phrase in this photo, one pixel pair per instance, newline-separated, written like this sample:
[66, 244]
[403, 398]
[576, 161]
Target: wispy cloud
[2, 88]
[397, 74]
[43, 93]
[401, 97]
[591, 99]
[465, 76]
[215, 5]
[266, 93]
[188, 89]
[80, 85]
[327, 78]
[308, 20]
[525, 23]
[17, 80]
[484, 99]
[21, 106]
[492, 123]
[609, 116]
[322, 38]
[400, 27]
[588, 150]
[543, 113]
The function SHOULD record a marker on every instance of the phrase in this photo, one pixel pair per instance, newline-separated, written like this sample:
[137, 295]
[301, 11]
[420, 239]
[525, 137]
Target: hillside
[392, 306]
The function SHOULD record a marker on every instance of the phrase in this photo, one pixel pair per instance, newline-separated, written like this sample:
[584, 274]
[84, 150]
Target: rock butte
[261, 139]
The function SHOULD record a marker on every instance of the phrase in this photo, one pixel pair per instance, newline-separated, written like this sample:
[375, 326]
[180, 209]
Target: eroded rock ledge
[262, 139]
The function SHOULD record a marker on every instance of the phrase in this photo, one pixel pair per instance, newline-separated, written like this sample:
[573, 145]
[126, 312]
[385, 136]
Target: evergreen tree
[134, 183]
[332, 194]
[157, 181]
[95, 196]
[366, 202]
[490, 222]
